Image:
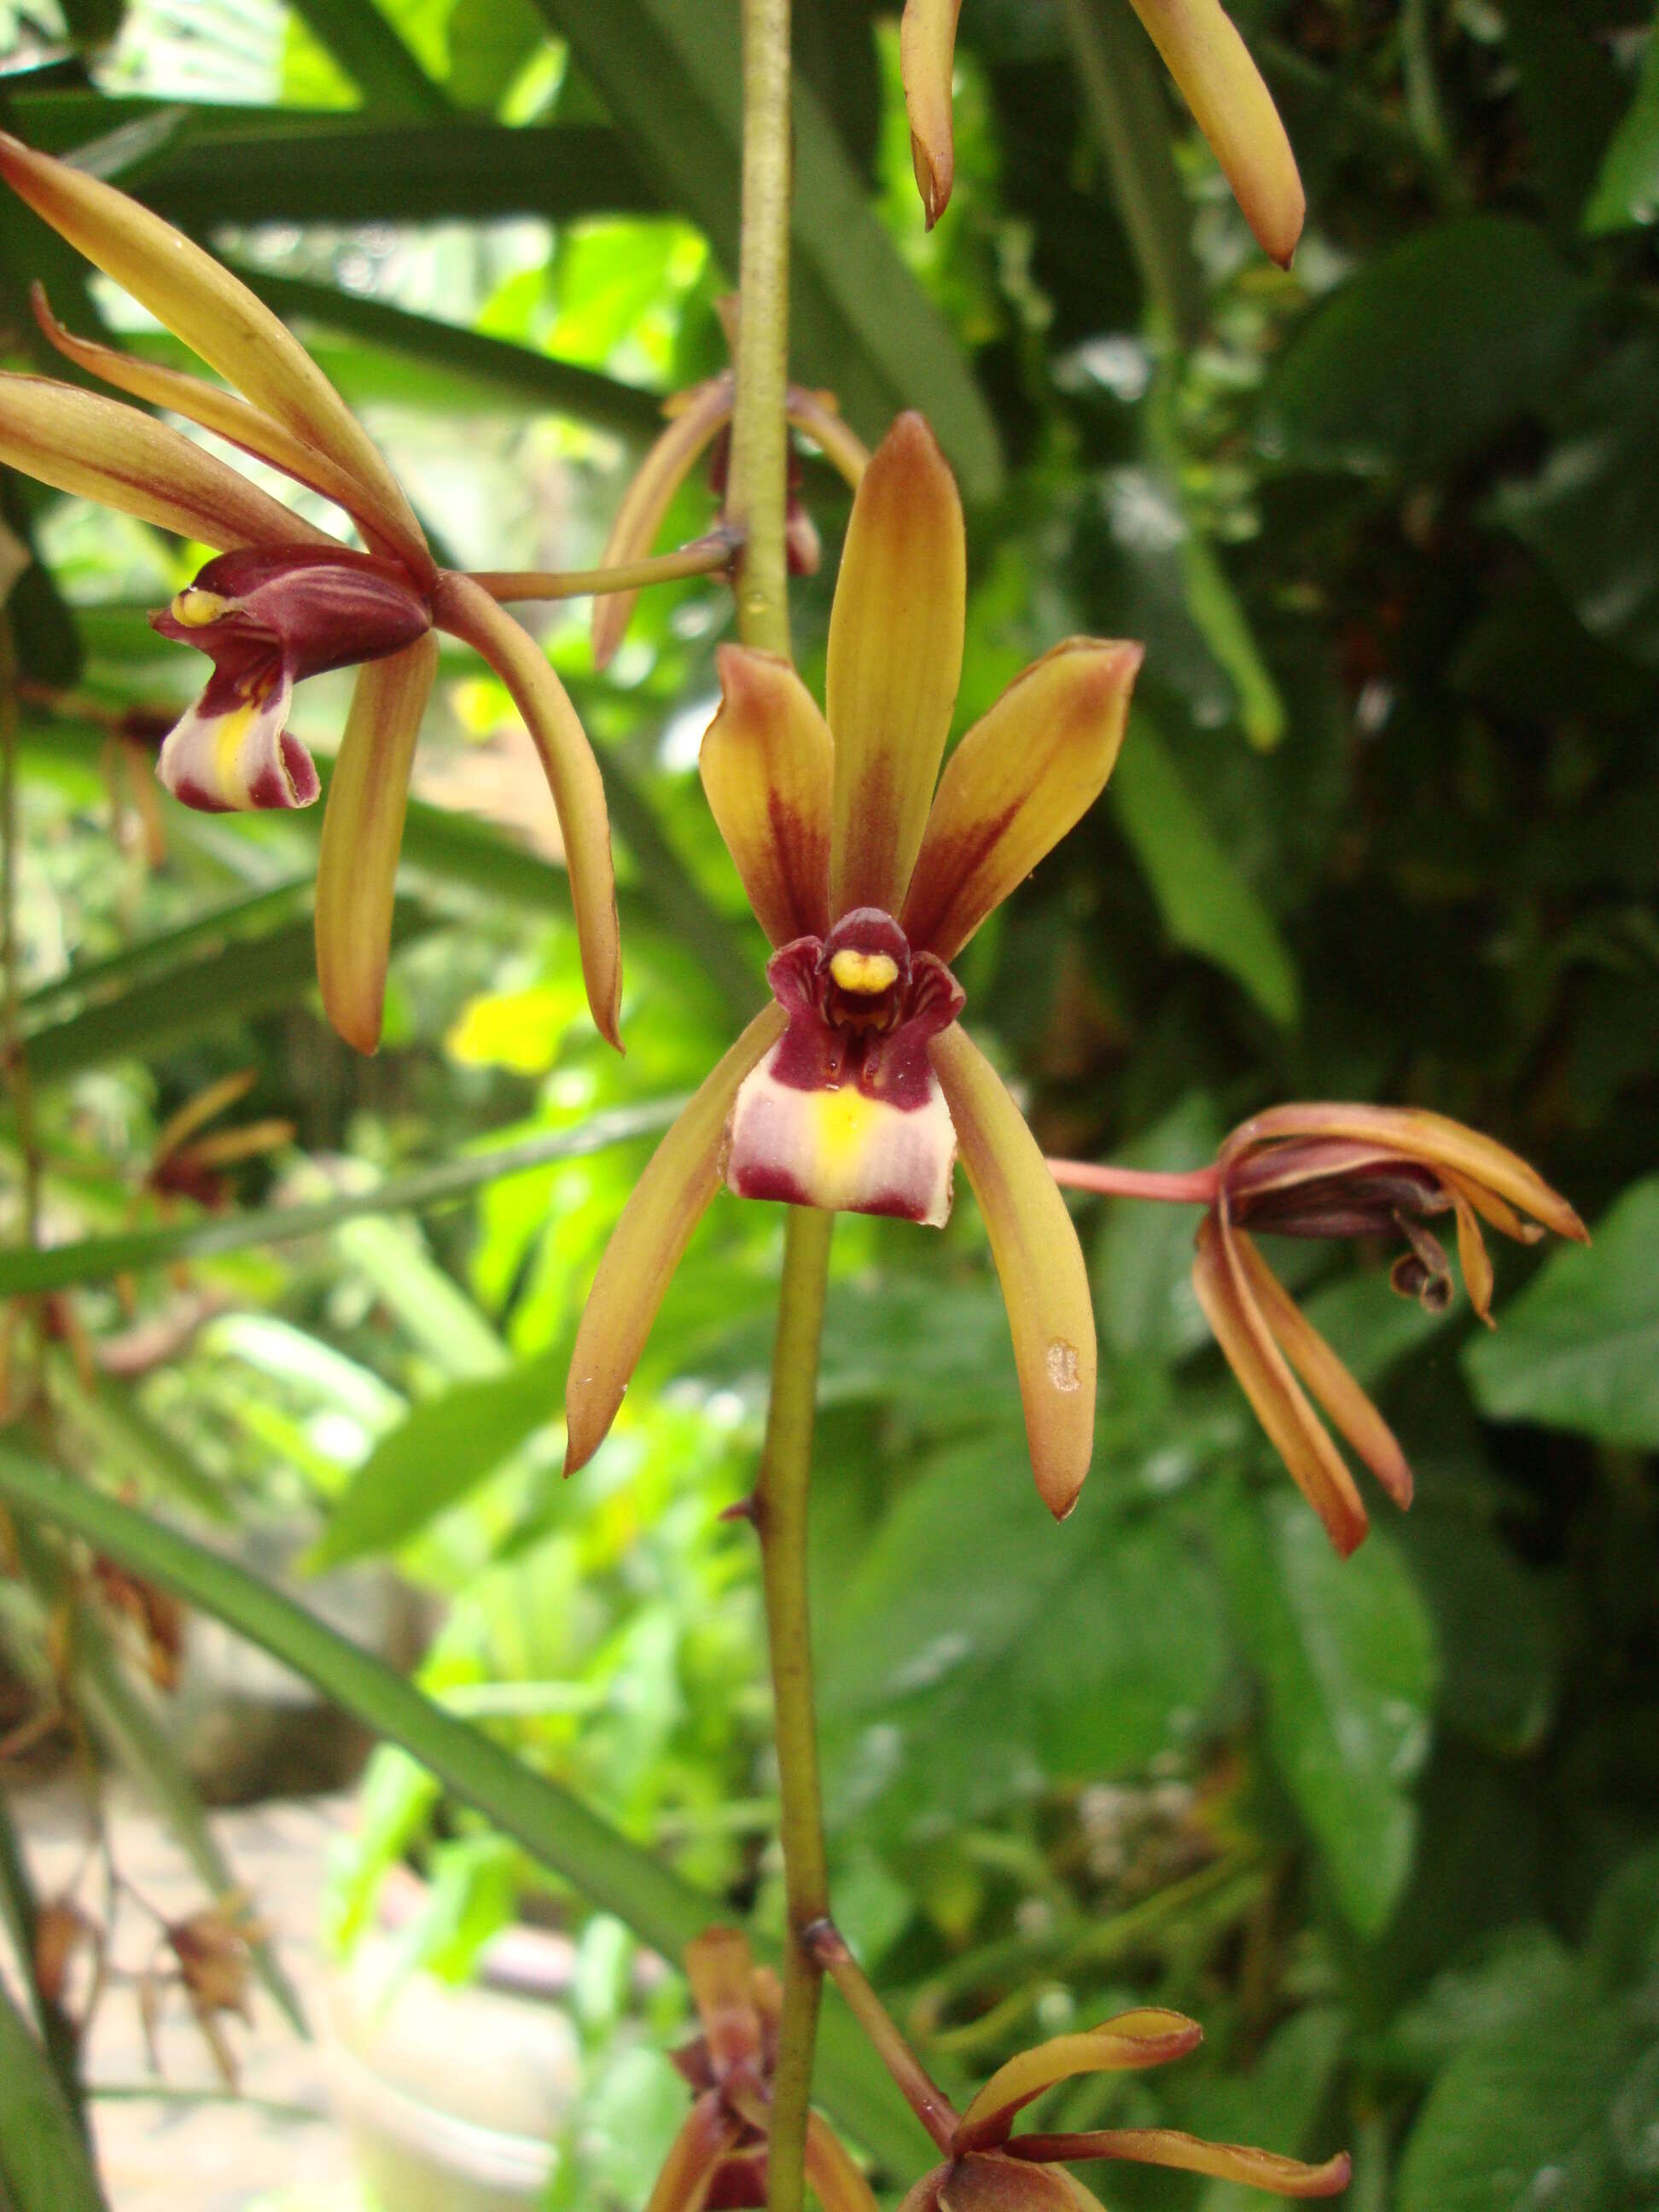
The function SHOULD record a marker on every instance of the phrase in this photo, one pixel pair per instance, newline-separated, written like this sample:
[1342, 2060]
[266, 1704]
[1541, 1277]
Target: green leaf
[1345, 1652]
[670, 72]
[1570, 94]
[1579, 1348]
[555, 1828]
[430, 1306]
[44, 2164]
[95, 1259]
[1626, 194]
[374, 56]
[441, 1450]
[1143, 1271]
[1498, 1644]
[1206, 904]
[1425, 352]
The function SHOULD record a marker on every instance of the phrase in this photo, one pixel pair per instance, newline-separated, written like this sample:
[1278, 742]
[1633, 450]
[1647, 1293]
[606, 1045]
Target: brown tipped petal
[1019, 781]
[1294, 1429]
[1045, 1284]
[669, 1201]
[1324, 1374]
[1473, 1258]
[1148, 2037]
[928, 45]
[459, 606]
[1234, 111]
[363, 836]
[836, 2181]
[687, 2172]
[98, 448]
[1257, 2169]
[219, 411]
[720, 1968]
[217, 317]
[767, 767]
[896, 632]
[691, 430]
[1475, 1160]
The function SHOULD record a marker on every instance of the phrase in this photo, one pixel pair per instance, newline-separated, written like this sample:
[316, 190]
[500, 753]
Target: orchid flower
[718, 2155]
[989, 2169]
[1204, 53]
[1341, 1170]
[283, 600]
[855, 1088]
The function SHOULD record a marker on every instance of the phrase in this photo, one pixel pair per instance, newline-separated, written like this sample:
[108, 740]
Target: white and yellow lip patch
[868, 975]
[235, 760]
[841, 1149]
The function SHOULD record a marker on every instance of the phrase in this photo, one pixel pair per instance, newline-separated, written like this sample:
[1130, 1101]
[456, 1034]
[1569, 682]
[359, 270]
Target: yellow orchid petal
[1324, 1374]
[991, 2183]
[834, 2180]
[1149, 2036]
[363, 836]
[1436, 1138]
[222, 412]
[683, 2183]
[572, 776]
[927, 45]
[1045, 1284]
[1023, 776]
[697, 421]
[1293, 1428]
[646, 1246]
[1473, 1258]
[767, 767]
[98, 448]
[720, 1968]
[1490, 1208]
[218, 317]
[1256, 2169]
[1234, 109]
[896, 633]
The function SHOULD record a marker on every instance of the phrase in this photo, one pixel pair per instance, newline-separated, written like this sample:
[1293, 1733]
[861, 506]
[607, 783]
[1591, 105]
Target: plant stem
[1196, 1187]
[757, 483]
[923, 2095]
[780, 1511]
[11, 1043]
[705, 556]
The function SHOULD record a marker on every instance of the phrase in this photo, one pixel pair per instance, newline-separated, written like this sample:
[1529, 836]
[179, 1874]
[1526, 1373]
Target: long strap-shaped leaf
[44, 2163]
[556, 1828]
[670, 72]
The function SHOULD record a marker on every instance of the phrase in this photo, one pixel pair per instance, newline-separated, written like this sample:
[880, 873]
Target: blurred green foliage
[1384, 827]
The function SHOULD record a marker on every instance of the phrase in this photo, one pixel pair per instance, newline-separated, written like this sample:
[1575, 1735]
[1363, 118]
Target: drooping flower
[208, 1955]
[719, 2156]
[989, 2169]
[284, 600]
[1344, 1171]
[856, 1087]
[1204, 53]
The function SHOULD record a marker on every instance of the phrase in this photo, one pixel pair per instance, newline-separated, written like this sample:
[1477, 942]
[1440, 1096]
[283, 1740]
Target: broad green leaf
[1518, 1973]
[1570, 94]
[1426, 352]
[44, 2164]
[1626, 194]
[431, 1307]
[368, 50]
[670, 73]
[556, 1828]
[1579, 1348]
[1207, 906]
[441, 1450]
[1143, 1269]
[1345, 1652]
[1499, 1648]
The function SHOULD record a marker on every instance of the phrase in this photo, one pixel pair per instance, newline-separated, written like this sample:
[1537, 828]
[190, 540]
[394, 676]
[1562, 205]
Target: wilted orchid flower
[855, 1088]
[208, 1955]
[1341, 1170]
[1207, 58]
[719, 2156]
[988, 2169]
[283, 600]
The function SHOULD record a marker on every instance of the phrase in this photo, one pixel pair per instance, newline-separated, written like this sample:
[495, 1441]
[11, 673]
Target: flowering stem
[758, 480]
[779, 1516]
[711, 556]
[1196, 1187]
[926, 2099]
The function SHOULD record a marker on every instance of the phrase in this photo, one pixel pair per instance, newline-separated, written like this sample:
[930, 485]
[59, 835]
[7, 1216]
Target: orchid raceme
[989, 2169]
[284, 600]
[856, 1087]
[1341, 1171]
[1207, 58]
[718, 2155]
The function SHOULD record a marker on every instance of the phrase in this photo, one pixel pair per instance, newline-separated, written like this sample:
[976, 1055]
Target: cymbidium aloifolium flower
[855, 1088]
[1207, 58]
[1345, 1170]
[283, 599]
[990, 2169]
[719, 2156]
